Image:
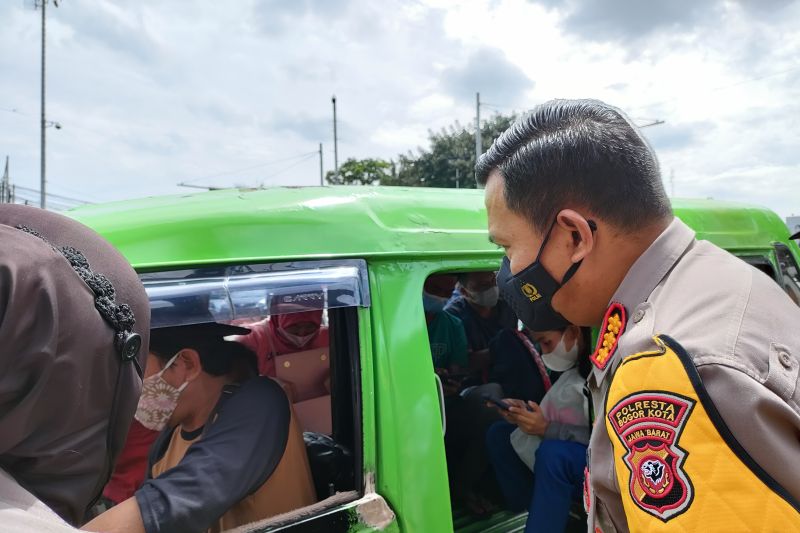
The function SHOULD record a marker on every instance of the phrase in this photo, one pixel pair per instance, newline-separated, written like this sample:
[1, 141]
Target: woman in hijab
[74, 327]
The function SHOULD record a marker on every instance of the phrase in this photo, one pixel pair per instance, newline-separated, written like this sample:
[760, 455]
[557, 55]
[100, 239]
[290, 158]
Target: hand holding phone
[500, 404]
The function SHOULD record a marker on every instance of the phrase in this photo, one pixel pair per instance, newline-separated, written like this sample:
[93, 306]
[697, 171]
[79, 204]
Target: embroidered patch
[613, 327]
[649, 425]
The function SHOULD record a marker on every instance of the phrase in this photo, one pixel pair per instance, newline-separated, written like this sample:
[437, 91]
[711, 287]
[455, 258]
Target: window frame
[351, 320]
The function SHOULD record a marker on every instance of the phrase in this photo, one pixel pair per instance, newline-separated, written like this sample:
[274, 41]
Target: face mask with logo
[298, 340]
[433, 304]
[561, 359]
[158, 400]
[487, 298]
[530, 292]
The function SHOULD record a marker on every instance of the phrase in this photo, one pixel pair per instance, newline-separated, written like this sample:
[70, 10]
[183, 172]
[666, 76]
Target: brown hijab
[74, 325]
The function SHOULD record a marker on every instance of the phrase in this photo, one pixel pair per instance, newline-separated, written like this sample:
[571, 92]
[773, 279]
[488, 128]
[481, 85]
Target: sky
[154, 93]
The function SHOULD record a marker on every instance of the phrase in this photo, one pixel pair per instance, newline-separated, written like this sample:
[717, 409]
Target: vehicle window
[484, 363]
[789, 272]
[304, 332]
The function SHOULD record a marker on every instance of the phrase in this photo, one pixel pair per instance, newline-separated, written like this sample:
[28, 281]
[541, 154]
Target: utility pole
[478, 140]
[335, 141]
[5, 188]
[321, 176]
[43, 203]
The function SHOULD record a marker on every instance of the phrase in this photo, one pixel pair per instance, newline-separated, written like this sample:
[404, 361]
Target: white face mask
[487, 298]
[561, 359]
[158, 400]
[298, 340]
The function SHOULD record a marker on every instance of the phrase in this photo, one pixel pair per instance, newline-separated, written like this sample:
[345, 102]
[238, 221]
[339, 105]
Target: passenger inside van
[467, 416]
[231, 452]
[445, 333]
[483, 314]
[539, 451]
[293, 347]
[283, 334]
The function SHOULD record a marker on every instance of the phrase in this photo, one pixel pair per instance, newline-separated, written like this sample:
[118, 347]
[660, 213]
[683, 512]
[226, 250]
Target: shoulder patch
[613, 327]
[649, 425]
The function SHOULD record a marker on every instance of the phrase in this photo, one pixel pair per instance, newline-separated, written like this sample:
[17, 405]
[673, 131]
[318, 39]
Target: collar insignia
[613, 327]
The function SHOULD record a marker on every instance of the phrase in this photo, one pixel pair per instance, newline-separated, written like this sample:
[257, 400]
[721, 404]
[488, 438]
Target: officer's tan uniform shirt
[743, 334]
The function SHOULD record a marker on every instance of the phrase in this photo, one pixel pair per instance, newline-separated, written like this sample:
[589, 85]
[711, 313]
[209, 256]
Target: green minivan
[362, 254]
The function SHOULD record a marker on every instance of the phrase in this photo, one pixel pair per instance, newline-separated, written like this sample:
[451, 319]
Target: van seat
[315, 414]
[332, 465]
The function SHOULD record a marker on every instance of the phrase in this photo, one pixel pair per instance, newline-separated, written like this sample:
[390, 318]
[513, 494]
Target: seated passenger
[445, 333]
[483, 314]
[231, 452]
[283, 334]
[467, 416]
[539, 452]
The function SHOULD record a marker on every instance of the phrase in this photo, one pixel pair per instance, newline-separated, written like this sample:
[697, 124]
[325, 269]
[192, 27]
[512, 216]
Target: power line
[274, 175]
[51, 195]
[15, 111]
[722, 87]
[308, 157]
[253, 167]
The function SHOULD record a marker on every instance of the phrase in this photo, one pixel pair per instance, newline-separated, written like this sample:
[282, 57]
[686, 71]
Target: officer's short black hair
[577, 152]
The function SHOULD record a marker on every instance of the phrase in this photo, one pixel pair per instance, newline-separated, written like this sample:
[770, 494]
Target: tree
[451, 153]
[361, 172]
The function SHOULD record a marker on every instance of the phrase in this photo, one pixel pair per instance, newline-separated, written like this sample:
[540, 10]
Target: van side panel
[412, 469]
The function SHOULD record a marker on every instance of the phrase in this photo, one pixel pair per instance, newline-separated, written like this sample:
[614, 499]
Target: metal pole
[458, 186]
[321, 176]
[335, 142]
[478, 140]
[42, 187]
[5, 188]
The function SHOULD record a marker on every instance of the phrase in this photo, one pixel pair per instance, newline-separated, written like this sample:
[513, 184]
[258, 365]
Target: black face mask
[530, 293]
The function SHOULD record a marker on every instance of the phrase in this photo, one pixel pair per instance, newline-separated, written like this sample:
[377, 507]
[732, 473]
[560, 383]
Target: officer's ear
[581, 230]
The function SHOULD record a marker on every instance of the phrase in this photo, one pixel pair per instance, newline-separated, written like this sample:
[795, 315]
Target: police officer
[695, 376]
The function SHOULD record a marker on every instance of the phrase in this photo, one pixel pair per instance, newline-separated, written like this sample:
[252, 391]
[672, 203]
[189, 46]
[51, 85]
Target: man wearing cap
[695, 378]
[74, 323]
[230, 452]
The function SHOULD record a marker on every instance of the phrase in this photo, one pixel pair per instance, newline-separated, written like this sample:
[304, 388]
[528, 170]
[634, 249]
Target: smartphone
[500, 404]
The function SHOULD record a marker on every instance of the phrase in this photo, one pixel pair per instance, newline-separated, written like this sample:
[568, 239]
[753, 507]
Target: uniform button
[785, 360]
[638, 316]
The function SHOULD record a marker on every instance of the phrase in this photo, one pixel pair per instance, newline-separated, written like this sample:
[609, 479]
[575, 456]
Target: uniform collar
[646, 273]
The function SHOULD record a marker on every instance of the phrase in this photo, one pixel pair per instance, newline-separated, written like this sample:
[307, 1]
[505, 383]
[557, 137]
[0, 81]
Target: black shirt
[481, 330]
[238, 450]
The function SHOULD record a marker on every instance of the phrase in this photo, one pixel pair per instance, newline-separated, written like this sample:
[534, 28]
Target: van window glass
[251, 291]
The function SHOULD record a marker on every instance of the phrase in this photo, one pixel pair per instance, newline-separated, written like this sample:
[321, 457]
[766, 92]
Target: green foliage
[361, 172]
[448, 162]
[451, 152]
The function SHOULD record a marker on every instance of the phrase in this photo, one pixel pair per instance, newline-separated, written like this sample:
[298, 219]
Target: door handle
[440, 391]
